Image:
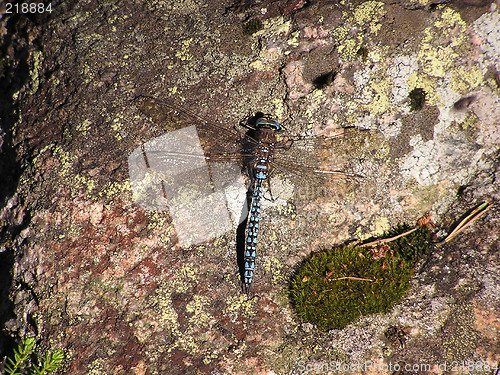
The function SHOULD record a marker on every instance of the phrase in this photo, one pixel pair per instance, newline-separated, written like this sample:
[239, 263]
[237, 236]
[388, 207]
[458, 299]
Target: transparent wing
[190, 144]
[318, 164]
[219, 142]
[192, 170]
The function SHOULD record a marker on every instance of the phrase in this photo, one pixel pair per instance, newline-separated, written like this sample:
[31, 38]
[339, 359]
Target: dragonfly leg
[268, 188]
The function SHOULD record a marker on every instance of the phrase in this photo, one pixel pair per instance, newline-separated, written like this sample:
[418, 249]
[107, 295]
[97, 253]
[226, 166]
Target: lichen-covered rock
[106, 281]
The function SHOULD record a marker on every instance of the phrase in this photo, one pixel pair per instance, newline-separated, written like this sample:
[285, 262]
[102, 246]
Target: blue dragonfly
[260, 151]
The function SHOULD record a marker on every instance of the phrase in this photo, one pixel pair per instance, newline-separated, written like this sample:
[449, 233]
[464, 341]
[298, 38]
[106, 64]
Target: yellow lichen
[287, 210]
[279, 25]
[370, 12]
[380, 226]
[376, 56]
[279, 109]
[113, 188]
[197, 307]
[34, 75]
[366, 15]
[183, 54]
[380, 103]
[84, 126]
[440, 43]
[465, 78]
[349, 48]
[116, 125]
[187, 276]
[294, 41]
[258, 65]
[240, 302]
[274, 265]
[470, 122]
[315, 99]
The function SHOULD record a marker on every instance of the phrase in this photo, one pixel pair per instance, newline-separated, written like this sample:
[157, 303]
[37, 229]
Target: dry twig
[473, 216]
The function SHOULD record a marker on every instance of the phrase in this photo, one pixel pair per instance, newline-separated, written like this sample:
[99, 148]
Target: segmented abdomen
[253, 228]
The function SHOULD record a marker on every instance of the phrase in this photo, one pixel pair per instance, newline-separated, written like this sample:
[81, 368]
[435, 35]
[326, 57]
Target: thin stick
[473, 216]
[385, 240]
[351, 278]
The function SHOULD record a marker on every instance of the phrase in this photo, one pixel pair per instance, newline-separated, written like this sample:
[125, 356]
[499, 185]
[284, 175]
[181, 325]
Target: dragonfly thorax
[268, 122]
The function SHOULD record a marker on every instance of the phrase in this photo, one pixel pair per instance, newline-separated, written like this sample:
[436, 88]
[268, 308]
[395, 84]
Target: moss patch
[417, 99]
[335, 287]
[252, 26]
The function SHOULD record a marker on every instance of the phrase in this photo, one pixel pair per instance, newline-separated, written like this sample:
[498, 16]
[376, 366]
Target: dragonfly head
[267, 121]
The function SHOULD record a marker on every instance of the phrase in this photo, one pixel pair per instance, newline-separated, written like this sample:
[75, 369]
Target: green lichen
[424, 195]
[336, 287]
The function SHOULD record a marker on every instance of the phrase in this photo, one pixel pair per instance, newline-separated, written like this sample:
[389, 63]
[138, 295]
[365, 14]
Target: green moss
[417, 99]
[335, 287]
[252, 26]
[411, 247]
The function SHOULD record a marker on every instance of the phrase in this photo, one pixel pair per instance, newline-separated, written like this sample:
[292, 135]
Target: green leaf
[36, 370]
[50, 363]
[10, 361]
[22, 354]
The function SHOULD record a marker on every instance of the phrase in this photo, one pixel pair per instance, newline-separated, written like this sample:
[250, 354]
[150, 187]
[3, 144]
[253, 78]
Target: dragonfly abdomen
[253, 225]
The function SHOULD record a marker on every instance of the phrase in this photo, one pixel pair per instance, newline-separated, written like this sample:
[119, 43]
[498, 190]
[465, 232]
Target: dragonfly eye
[268, 122]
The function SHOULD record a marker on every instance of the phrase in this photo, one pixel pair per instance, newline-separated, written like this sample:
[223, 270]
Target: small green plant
[335, 287]
[22, 365]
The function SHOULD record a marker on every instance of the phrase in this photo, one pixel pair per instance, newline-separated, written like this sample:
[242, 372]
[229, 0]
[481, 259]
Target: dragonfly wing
[318, 165]
[170, 172]
[217, 140]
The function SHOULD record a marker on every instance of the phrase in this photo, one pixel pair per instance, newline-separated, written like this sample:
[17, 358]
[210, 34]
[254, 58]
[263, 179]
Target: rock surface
[106, 281]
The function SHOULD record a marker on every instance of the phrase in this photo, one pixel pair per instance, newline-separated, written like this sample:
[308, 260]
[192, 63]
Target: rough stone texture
[104, 280]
